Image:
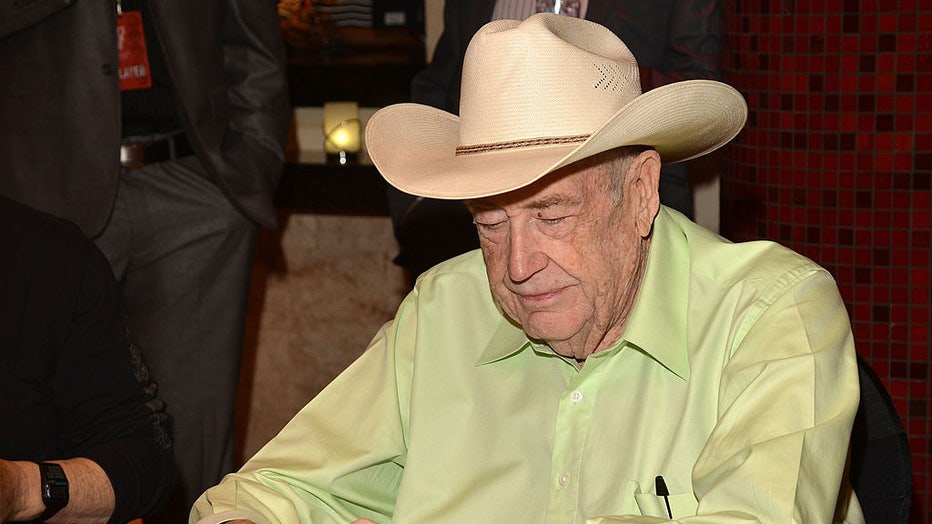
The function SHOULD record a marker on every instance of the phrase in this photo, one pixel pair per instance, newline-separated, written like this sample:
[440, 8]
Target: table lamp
[342, 129]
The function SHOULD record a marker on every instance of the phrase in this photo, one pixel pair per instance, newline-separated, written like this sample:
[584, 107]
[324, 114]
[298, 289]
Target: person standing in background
[672, 40]
[159, 129]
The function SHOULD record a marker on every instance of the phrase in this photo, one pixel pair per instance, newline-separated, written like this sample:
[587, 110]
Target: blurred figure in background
[85, 435]
[159, 129]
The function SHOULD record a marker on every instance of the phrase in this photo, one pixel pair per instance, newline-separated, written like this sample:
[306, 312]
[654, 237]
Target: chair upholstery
[881, 472]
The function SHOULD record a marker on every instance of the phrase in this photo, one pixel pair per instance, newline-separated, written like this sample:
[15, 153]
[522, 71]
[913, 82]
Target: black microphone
[661, 487]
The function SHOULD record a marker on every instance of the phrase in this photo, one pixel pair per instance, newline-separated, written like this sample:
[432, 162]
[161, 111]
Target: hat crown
[538, 96]
[550, 79]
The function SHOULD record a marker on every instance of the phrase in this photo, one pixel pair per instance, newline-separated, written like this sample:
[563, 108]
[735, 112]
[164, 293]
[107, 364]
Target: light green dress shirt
[735, 380]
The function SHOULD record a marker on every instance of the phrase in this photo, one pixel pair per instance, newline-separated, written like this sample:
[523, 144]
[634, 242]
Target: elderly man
[603, 359]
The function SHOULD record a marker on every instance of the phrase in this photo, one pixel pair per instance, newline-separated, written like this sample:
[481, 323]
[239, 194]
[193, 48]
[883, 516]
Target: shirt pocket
[651, 505]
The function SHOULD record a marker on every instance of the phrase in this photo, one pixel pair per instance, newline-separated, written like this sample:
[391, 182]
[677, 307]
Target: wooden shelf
[371, 66]
[351, 189]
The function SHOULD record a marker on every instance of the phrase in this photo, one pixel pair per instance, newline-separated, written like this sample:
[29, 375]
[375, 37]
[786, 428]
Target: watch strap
[54, 488]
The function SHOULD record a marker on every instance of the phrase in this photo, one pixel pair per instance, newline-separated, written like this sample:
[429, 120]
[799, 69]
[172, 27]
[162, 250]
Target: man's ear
[643, 186]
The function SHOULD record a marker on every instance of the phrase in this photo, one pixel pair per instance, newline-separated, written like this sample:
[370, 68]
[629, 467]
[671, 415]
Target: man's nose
[525, 257]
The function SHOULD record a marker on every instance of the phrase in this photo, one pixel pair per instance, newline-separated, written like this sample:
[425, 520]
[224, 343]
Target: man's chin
[549, 326]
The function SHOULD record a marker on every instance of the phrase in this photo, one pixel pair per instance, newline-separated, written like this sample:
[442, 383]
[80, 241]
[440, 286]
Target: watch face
[54, 488]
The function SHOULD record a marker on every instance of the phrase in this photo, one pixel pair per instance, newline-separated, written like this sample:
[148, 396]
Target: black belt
[138, 154]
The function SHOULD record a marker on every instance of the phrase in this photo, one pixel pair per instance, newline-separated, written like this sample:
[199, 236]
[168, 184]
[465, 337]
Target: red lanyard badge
[131, 47]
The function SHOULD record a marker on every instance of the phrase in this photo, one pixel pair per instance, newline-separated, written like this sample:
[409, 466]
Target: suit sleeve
[437, 84]
[255, 65]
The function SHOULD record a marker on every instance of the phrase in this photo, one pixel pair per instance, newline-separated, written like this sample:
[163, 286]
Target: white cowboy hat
[536, 96]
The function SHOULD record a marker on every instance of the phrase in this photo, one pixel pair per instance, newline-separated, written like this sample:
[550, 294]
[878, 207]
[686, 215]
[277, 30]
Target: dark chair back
[881, 472]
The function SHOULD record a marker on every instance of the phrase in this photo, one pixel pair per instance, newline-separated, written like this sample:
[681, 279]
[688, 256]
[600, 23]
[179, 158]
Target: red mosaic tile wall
[836, 163]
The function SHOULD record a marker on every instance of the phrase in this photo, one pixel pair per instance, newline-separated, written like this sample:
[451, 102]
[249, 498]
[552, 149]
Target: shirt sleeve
[787, 400]
[108, 404]
[342, 456]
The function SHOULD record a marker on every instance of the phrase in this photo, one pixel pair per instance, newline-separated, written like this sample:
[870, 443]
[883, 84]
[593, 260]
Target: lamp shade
[342, 127]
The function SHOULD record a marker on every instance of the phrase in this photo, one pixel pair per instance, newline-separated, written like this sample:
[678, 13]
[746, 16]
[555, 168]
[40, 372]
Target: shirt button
[564, 479]
[576, 396]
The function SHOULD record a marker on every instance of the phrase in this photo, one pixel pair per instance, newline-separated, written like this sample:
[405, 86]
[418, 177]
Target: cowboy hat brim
[414, 146]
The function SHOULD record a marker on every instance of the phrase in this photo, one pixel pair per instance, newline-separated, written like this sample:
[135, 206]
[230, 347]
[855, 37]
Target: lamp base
[342, 158]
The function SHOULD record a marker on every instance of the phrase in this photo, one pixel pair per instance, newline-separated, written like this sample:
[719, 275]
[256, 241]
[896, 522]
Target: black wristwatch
[54, 489]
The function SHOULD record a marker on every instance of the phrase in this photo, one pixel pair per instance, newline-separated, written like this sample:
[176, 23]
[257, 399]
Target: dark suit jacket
[60, 103]
[671, 39]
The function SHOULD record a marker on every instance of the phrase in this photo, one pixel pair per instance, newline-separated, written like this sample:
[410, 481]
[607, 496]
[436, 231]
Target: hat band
[516, 144]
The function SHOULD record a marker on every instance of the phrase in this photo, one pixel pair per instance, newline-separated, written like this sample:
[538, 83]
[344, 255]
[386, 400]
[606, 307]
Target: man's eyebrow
[544, 202]
[478, 205]
[553, 200]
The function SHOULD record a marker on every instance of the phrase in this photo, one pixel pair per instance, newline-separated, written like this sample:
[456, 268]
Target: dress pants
[183, 256]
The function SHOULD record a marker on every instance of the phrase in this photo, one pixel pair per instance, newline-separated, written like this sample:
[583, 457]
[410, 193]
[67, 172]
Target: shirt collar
[507, 340]
[657, 323]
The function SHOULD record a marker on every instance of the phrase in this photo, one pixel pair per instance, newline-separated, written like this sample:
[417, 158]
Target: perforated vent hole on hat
[611, 78]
